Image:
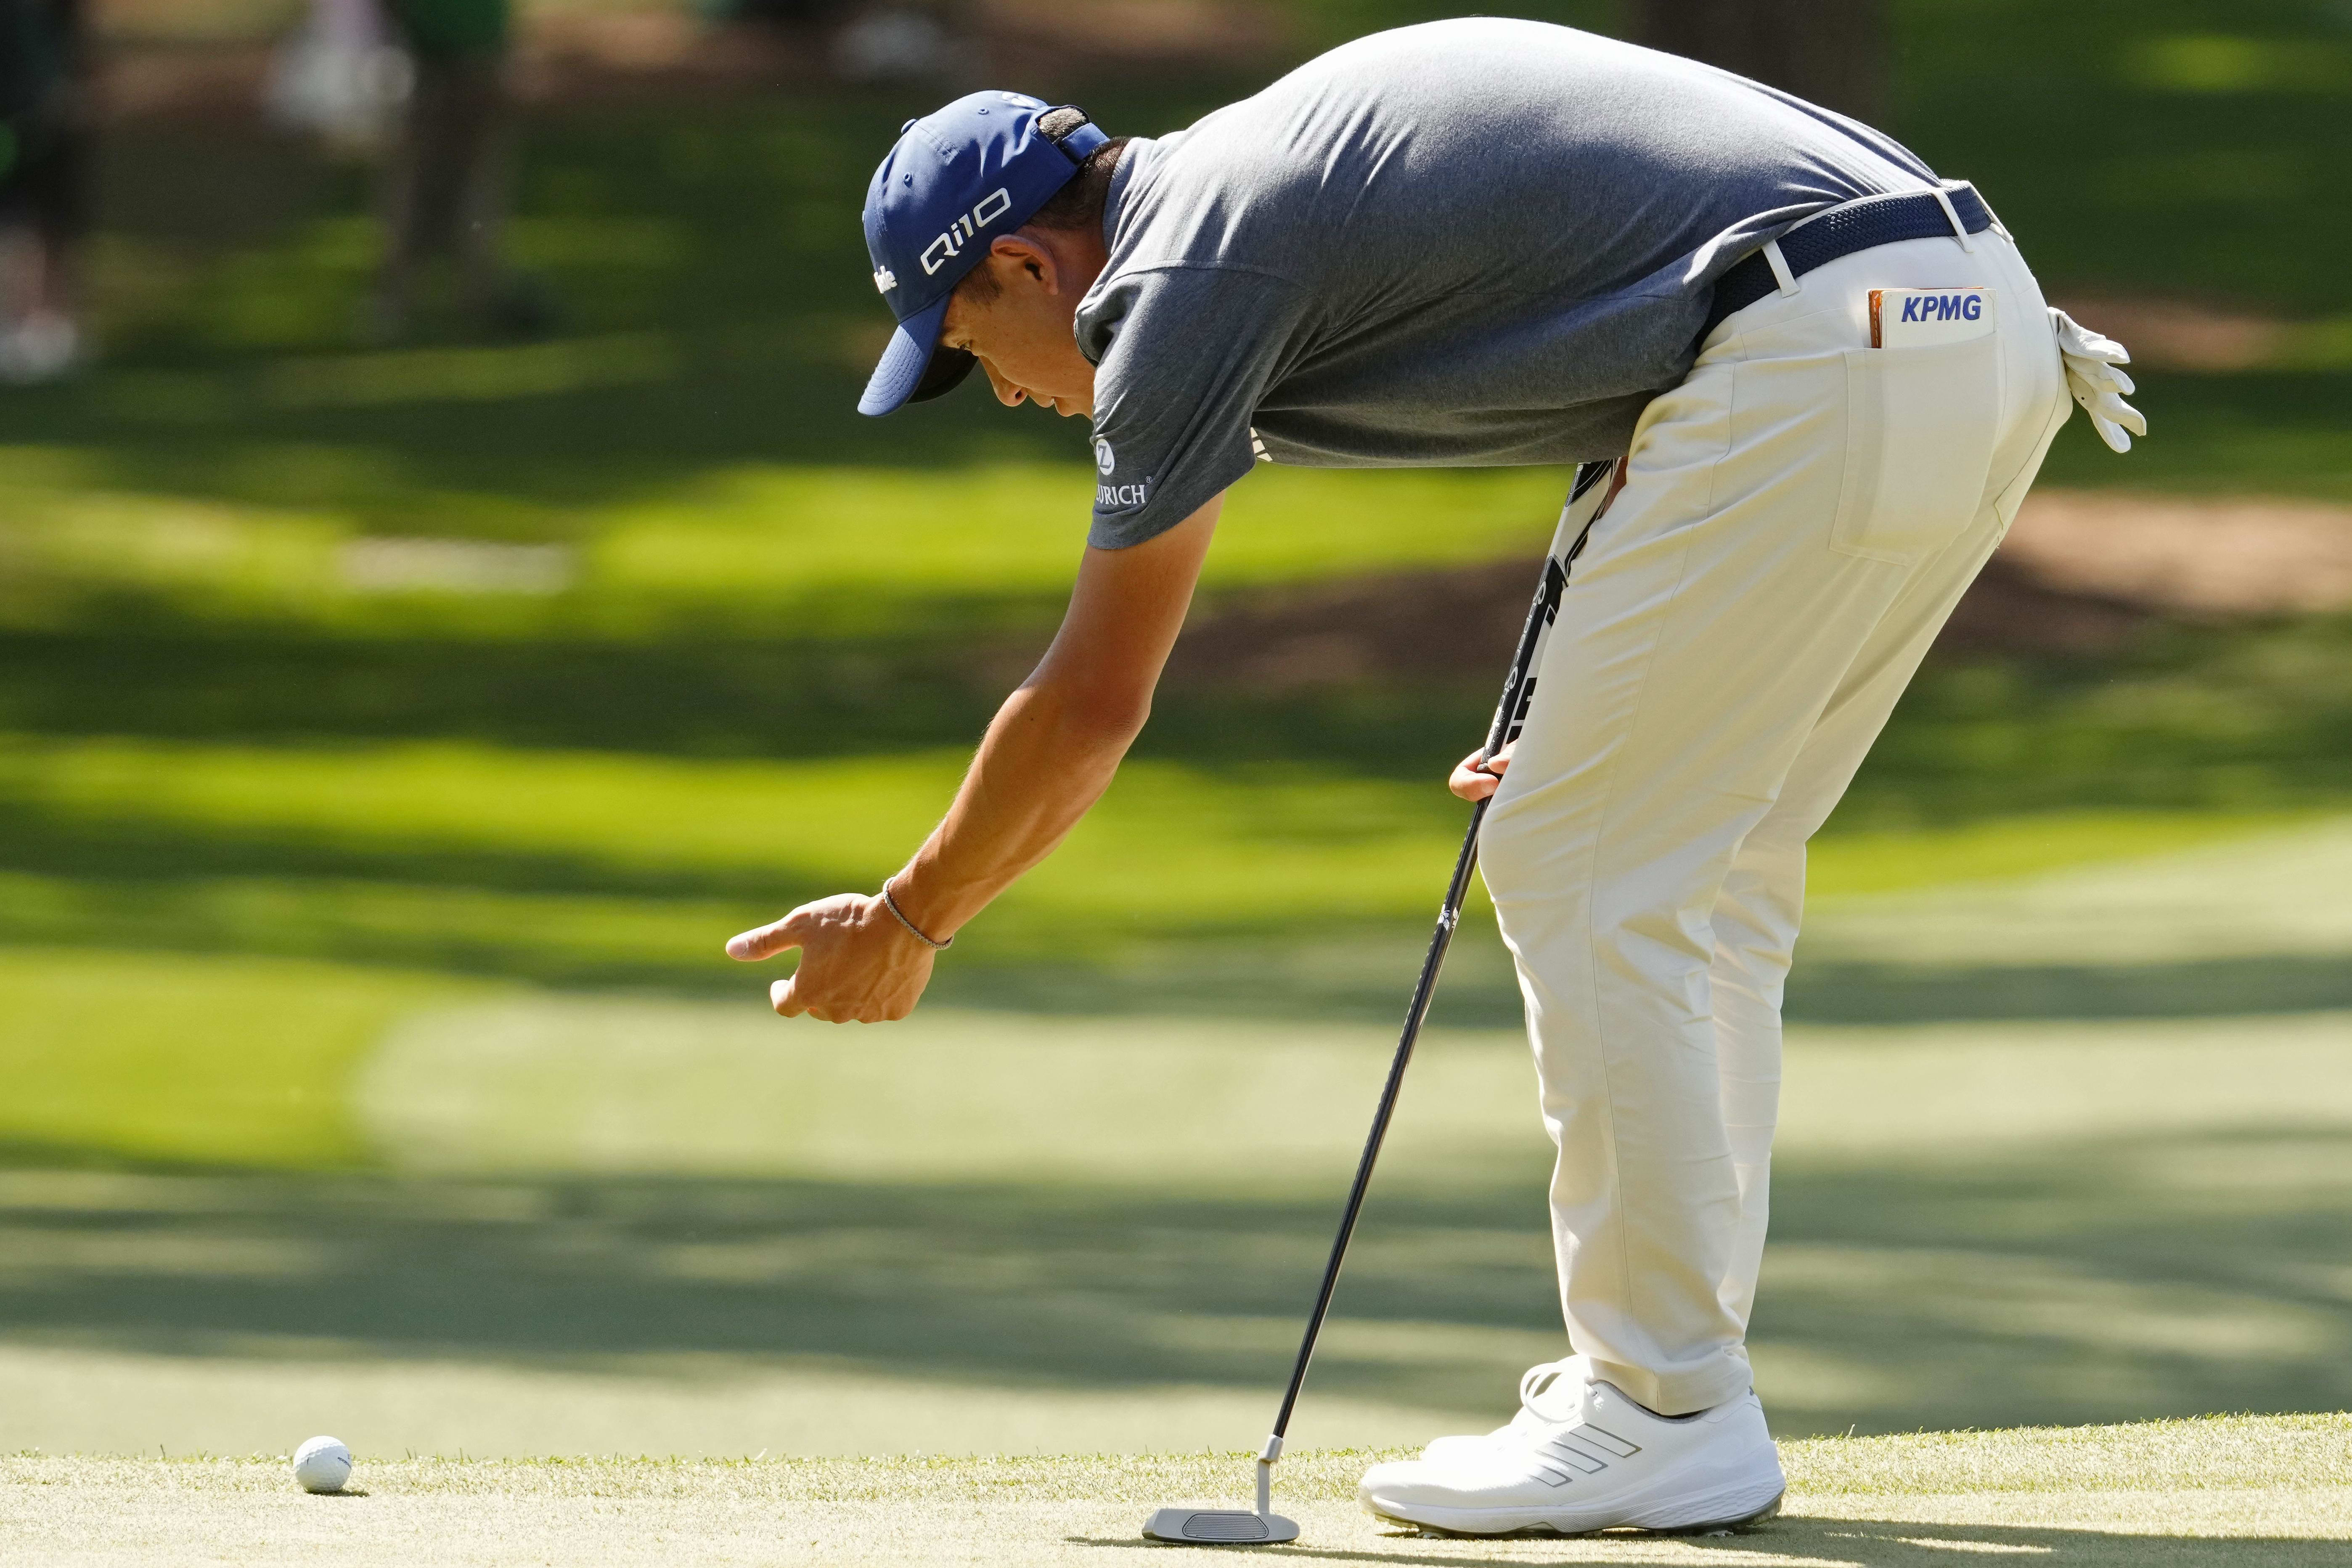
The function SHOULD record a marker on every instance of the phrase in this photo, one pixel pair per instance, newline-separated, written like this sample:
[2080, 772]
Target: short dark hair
[1076, 206]
[1079, 204]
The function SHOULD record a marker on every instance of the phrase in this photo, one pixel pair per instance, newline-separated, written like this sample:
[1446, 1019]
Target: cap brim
[948, 367]
[901, 371]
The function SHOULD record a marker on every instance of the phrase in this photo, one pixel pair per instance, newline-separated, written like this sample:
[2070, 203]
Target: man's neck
[1078, 255]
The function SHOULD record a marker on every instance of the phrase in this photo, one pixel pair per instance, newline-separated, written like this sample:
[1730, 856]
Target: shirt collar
[1131, 158]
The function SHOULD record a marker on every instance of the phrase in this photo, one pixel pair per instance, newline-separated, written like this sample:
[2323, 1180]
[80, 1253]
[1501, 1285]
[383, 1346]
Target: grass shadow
[2220, 987]
[2088, 1283]
[1857, 1543]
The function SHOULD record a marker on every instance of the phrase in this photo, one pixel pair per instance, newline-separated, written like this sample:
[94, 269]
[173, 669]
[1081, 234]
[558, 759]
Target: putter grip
[1586, 497]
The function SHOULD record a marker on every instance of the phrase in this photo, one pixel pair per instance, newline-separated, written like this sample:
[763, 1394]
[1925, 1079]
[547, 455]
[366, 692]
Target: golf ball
[322, 1465]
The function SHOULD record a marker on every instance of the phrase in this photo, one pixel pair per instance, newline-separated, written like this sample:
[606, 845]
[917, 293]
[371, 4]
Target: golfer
[1831, 379]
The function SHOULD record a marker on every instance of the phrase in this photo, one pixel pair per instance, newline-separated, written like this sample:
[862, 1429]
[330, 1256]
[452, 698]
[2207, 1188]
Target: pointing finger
[767, 940]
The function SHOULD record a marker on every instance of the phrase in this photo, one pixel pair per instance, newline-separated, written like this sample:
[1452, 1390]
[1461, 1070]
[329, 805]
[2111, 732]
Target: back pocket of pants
[1920, 426]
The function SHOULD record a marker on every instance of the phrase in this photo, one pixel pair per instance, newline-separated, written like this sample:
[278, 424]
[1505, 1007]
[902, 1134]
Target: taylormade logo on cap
[956, 179]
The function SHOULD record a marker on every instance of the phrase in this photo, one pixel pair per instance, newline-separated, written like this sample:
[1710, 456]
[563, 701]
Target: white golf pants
[1797, 520]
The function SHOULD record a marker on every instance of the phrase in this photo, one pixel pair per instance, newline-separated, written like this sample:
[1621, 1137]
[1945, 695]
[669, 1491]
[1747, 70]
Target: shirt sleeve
[1182, 355]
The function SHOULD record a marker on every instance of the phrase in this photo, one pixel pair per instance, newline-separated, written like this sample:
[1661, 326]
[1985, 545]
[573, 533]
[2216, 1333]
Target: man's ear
[1017, 256]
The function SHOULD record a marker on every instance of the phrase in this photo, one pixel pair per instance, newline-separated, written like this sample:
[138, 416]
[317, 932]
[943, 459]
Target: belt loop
[1780, 266]
[1944, 200]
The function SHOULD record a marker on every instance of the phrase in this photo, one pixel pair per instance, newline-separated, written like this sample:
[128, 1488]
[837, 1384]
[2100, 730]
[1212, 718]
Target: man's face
[1020, 332]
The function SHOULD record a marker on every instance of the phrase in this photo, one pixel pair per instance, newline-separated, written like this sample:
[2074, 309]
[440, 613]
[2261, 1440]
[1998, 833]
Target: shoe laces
[1536, 1378]
[1533, 1383]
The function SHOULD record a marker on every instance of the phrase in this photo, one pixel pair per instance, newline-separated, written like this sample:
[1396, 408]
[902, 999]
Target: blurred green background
[391, 734]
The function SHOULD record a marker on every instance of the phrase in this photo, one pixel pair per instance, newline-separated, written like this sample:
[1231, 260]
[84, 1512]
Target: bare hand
[858, 964]
[1476, 778]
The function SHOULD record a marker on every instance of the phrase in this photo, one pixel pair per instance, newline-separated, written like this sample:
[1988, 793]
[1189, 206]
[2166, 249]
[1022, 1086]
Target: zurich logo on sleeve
[1110, 496]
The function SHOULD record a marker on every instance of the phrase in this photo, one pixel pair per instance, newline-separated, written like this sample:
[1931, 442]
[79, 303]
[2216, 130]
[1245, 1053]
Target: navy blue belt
[1842, 231]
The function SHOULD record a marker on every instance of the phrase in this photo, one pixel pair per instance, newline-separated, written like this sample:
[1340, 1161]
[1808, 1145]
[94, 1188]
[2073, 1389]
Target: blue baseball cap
[955, 179]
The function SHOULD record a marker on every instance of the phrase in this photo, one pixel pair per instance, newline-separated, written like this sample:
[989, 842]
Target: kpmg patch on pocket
[1916, 318]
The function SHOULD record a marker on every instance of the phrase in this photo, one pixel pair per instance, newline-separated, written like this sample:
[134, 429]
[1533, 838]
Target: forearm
[1054, 746]
[1047, 757]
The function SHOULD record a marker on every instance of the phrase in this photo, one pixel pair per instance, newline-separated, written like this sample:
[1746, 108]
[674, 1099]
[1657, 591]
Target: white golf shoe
[1581, 1456]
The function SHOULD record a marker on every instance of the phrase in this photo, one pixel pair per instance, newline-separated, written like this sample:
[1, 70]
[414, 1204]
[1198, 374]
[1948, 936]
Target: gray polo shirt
[1468, 243]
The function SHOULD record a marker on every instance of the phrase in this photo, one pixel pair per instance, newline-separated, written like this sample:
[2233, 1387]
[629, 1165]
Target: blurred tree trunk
[1830, 52]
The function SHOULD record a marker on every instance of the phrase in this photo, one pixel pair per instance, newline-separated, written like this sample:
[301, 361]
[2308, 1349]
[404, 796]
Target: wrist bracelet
[918, 932]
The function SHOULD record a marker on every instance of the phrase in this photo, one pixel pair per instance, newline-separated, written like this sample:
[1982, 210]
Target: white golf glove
[2098, 385]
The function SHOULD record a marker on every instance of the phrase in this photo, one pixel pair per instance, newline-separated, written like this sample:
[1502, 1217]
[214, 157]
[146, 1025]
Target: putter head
[1218, 1527]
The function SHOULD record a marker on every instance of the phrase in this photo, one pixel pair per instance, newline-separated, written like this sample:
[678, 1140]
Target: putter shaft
[1509, 714]
[1222, 1526]
[1448, 916]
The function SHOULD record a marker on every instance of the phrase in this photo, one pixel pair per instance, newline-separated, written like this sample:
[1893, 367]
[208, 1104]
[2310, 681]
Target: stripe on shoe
[1587, 1447]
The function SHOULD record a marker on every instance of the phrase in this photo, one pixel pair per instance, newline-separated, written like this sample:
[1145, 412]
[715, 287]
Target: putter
[1232, 1527]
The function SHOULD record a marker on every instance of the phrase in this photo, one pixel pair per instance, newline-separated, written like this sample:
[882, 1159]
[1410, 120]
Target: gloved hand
[2098, 385]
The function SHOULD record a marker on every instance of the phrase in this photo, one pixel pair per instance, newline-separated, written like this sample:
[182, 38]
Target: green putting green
[2270, 1491]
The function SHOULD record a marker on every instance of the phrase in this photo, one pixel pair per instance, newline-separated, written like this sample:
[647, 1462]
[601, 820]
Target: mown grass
[218, 1016]
[752, 552]
[2221, 1453]
[237, 1059]
[257, 818]
[607, 869]
[689, 1221]
[2220, 1491]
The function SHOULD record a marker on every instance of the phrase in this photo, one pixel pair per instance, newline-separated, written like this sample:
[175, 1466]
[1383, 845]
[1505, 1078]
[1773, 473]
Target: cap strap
[1078, 145]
